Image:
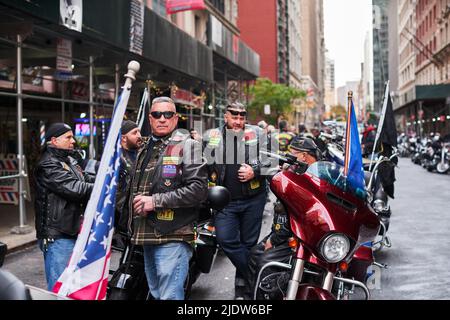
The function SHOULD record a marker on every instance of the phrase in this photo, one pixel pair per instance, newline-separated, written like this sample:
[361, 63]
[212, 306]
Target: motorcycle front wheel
[442, 168]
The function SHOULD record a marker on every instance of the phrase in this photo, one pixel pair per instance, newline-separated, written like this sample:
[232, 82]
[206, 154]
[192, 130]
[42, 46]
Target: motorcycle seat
[12, 288]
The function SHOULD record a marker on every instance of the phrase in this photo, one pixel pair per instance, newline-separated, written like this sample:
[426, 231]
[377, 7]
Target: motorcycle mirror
[218, 197]
[3, 249]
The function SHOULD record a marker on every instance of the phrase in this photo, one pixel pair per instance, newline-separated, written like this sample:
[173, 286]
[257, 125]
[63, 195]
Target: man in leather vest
[169, 182]
[62, 191]
[131, 142]
[233, 153]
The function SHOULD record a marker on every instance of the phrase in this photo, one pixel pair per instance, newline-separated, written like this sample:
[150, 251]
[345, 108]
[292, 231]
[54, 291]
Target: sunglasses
[159, 114]
[238, 113]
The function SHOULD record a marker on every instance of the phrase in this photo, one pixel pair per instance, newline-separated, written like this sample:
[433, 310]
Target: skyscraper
[380, 50]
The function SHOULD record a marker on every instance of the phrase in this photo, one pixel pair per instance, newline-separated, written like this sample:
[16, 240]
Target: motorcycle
[444, 165]
[128, 282]
[331, 222]
[11, 288]
[335, 148]
[378, 199]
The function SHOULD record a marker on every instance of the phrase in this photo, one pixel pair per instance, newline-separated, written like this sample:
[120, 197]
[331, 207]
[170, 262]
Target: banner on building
[187, 98]
[63, 59]
[9, 188]
[174, 6]
[137, 26]
[71, 14]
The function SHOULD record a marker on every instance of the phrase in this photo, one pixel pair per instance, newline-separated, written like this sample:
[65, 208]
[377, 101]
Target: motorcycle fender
[312, 292]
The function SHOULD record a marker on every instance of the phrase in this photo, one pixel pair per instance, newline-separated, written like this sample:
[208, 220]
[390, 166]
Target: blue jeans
[166, 268]
[238, 227]
[56, 258]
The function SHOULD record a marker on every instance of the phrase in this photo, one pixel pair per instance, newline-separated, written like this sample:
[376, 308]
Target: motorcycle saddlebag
[206, 249]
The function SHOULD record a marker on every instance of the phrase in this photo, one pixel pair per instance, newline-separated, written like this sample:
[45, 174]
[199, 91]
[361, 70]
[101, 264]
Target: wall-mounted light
[83, 115]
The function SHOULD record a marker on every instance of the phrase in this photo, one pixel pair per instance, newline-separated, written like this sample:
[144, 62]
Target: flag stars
[110, 170]
[92, 237]
[107, 201]
[99, 218]
[104, 243]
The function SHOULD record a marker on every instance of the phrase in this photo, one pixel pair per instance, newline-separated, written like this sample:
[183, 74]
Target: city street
[418, 259]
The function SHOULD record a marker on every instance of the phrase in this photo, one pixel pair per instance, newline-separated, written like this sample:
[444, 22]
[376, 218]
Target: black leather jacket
[62, 191]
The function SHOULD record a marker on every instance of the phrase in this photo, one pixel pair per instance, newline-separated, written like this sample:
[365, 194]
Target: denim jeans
[166, 268]
[56, 258]
[238, 227]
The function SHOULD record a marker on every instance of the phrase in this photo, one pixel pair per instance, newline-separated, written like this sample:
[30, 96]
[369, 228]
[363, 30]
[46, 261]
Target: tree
[278, 96]
[338, 112]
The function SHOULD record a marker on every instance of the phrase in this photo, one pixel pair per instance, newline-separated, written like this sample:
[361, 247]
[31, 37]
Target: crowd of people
[164, 179]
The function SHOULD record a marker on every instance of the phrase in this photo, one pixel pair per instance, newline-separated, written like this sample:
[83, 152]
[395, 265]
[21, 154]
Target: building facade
[330, 84]
[424, 55]
[380, 37]
[295, 49]
[265, 27]
[313, 59]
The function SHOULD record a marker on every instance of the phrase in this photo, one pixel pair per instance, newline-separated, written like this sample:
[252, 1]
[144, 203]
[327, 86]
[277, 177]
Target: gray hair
[162, 99]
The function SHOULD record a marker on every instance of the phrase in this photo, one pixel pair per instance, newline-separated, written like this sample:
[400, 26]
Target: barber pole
[42, 132]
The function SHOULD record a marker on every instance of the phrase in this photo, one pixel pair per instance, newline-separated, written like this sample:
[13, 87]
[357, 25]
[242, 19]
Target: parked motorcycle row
[432, 152]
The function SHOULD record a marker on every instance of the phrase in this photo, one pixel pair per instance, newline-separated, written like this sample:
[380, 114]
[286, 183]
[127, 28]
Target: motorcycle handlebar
[286, 158]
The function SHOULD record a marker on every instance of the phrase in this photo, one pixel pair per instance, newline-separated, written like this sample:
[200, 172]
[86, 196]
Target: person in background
[318, 141]
[131, 142]
[62, 192]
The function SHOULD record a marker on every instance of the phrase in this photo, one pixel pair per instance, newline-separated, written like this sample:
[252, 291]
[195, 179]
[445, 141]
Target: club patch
[171, 160]
[169, 171]
[165, 215]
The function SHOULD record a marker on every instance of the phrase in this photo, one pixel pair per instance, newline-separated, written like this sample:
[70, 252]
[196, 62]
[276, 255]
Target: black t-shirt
[231, 181]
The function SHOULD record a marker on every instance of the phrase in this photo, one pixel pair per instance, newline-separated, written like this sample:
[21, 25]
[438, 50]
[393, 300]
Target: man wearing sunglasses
[233, 153]
[169, 182]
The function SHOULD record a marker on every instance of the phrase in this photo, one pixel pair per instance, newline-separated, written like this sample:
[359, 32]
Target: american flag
[86, 276]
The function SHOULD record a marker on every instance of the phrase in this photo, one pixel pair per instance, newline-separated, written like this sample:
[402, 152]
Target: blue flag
[353, 167]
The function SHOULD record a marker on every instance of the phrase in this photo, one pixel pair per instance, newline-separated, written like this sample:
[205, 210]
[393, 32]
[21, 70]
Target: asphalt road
[417, 262]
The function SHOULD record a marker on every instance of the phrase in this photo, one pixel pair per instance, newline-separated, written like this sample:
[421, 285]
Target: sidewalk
[10, 218]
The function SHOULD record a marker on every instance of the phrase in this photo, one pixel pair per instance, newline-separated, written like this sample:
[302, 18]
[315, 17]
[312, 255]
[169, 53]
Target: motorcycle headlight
[335, 247]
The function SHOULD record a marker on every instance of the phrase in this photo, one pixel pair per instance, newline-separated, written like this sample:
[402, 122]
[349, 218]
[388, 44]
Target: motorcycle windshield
[333, 173]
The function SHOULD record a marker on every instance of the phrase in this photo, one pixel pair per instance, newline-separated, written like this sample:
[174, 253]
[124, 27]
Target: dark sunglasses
[159, 114]
[238, 113]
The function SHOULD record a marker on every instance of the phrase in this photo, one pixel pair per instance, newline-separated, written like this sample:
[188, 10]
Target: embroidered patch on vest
[165, 215]
[254, 184]
[171, 160]
[169, 171]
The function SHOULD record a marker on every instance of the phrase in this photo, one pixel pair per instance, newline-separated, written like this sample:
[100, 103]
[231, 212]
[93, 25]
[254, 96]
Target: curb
[21, 247]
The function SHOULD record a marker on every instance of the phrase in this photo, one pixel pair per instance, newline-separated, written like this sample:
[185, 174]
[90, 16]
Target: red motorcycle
[332, 223]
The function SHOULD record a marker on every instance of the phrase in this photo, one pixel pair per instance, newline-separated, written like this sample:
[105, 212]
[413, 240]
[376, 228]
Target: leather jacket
[178, 183]
[62, 191]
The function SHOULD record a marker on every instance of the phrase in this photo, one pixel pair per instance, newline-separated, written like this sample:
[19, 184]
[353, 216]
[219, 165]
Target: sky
[346, 25]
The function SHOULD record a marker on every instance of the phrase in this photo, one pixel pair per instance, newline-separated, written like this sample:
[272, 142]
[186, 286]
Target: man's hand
[245, 173]
[267, 245]
[143, 205]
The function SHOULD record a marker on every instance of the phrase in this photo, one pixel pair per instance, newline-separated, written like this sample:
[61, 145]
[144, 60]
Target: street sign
[267, 109]
[63, 59]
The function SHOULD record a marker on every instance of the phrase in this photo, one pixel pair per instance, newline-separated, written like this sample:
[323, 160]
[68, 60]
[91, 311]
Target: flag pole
[69, 277]
[380, 123]
[347, 132]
